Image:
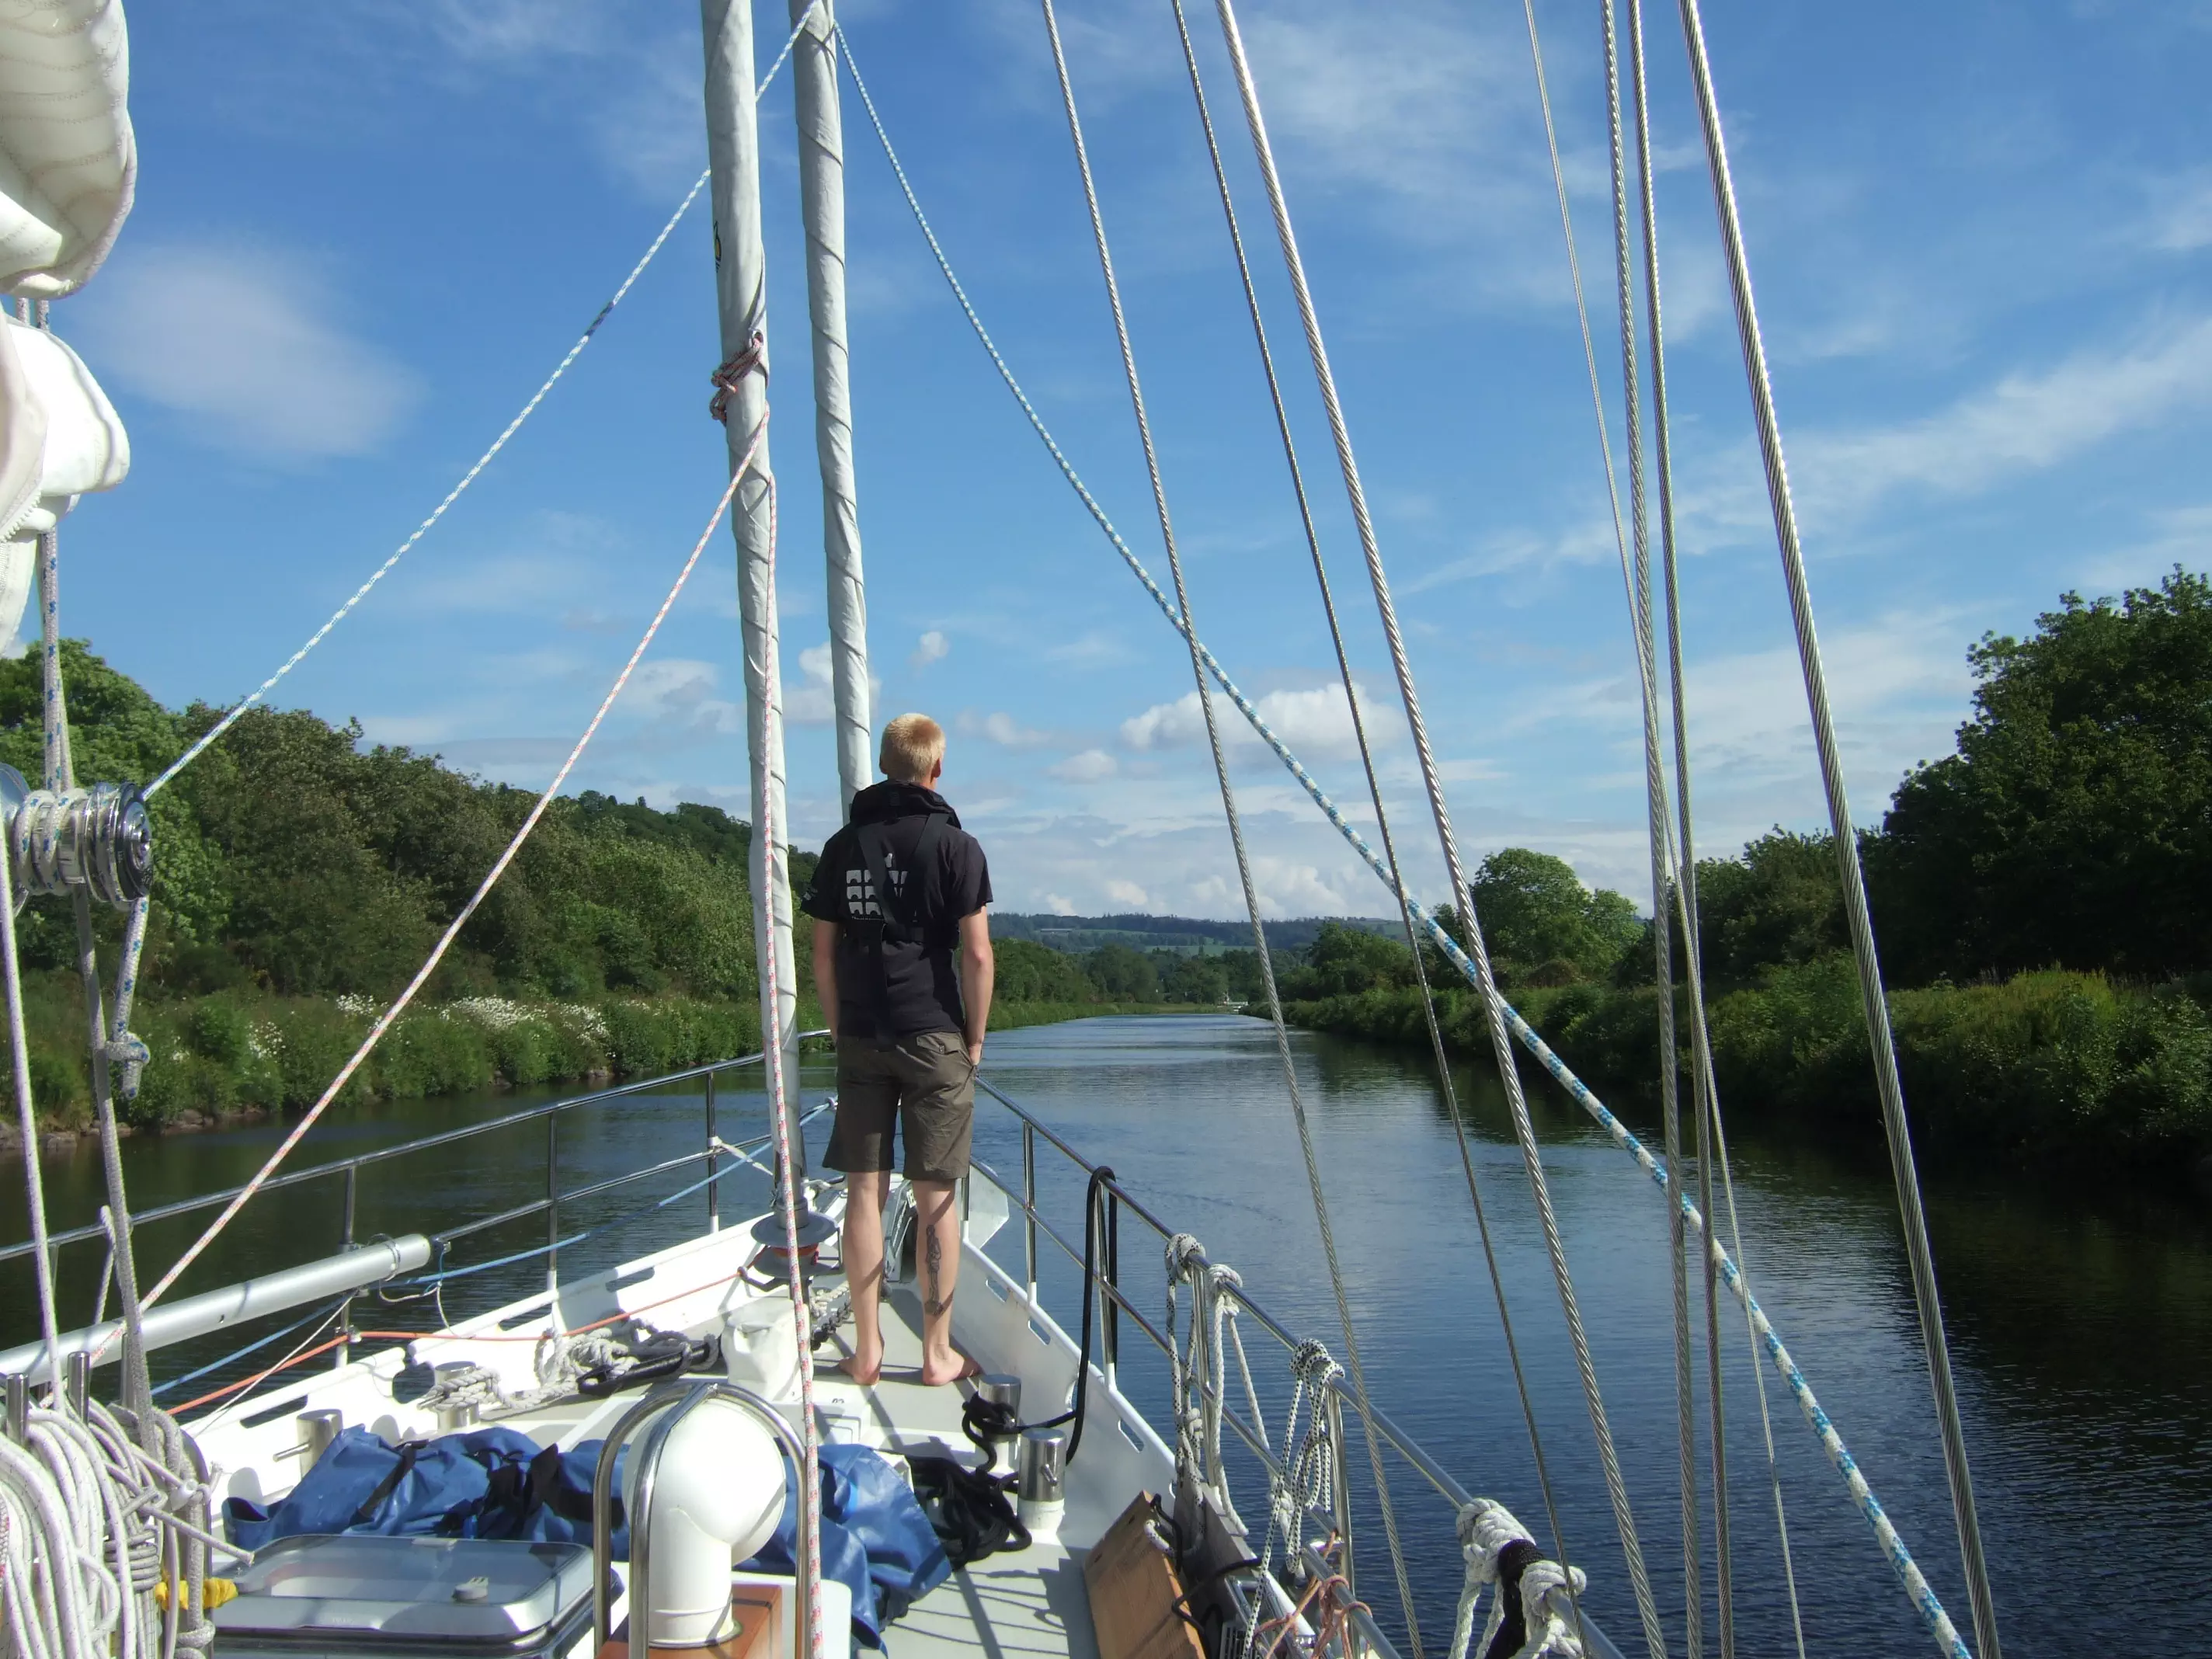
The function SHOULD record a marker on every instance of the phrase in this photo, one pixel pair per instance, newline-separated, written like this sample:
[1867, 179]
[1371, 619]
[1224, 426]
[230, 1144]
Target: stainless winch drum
[97, 837]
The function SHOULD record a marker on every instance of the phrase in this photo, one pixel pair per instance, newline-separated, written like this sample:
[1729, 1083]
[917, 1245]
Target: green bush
[2051, 1070]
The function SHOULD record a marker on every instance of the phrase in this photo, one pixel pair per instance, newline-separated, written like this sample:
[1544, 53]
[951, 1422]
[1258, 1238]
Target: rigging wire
[1893, 1545]
[231, 718]
[1375, 795]
[1927, 1298]
[1705, 1093]
[1655, 805]
[1684, 895]
[1236, 832]
[1462, 892]
[384, 1021]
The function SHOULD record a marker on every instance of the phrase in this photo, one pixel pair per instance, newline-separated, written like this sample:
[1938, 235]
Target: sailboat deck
[1026, 1604]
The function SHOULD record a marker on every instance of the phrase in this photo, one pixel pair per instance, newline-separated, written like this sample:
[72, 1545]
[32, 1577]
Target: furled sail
[68, 161]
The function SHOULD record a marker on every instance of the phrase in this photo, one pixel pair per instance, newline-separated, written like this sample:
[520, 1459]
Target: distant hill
[1184, 935]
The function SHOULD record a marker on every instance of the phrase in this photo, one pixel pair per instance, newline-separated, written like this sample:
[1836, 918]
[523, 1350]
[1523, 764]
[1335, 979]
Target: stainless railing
[1022, 1194]
[1113, 1304]
[710, 1152]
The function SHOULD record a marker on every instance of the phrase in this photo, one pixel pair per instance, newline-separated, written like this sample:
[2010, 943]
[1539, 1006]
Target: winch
[97, 837]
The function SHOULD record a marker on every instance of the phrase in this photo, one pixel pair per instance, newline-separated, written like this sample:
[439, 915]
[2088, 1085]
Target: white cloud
[1091, 766]
[1058, 905]
[682, 691]
[2183, 222]
[1128, 893]
[245, 340]
[1314, 723]
[1006, 730]
[813, 699]
[2026, 422]
[931, 647]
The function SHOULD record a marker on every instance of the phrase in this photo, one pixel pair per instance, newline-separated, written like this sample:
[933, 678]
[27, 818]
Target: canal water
[2081, 1331]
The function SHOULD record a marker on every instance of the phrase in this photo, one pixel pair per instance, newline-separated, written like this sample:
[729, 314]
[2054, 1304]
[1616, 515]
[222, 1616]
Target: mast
[822, 202]
[741, 291]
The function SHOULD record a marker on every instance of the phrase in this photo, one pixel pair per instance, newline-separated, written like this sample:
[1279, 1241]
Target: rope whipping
[1927, 1299]
[384, 1021]
[1462, 893]
[1893, 1546]
[1705, 1094]
[1374, 785]
[652, 248]
[1638, 583]
[1235, 830]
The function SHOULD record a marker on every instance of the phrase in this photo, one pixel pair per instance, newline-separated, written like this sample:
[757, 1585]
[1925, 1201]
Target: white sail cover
[59, 438]
[68, 161]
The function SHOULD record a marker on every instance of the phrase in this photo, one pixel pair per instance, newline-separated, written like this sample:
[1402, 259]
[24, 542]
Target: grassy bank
[2053, 1070]
[220, 1056]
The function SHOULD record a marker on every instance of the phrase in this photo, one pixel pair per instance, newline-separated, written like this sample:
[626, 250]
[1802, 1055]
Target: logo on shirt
[860, 890]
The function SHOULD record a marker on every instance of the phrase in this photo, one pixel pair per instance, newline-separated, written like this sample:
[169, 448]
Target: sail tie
[726, 378]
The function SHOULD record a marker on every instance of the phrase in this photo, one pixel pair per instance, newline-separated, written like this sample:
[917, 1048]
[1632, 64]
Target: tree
[1542, 925]
[2072, 827]
[1778, 903]
[1029, 972]
[1343, 961]
[1122, 975]
[1195, 979]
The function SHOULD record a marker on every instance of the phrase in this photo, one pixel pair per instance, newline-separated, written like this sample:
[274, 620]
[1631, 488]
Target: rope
[484, 461]
[1927, 1299]
[384, 1021]
[26, 1126]
[1325, 380]
[1367, 764]
[1236, 825]
[89, 1524]
[60, 775]
[1893, 1546]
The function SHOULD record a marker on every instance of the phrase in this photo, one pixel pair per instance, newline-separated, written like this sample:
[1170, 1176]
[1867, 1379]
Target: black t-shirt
[921, 974]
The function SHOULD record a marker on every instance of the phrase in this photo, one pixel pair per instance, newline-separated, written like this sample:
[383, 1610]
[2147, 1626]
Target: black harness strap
[900, 918]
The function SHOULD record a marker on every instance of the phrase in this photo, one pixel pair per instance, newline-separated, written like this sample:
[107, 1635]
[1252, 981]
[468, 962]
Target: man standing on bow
[903, 965]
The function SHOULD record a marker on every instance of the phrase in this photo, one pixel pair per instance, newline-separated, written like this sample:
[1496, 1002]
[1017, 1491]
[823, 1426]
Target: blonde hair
[913, 745]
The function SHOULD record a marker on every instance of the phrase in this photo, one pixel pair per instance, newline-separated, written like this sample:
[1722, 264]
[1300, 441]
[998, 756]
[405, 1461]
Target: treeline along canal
[2081, 1331]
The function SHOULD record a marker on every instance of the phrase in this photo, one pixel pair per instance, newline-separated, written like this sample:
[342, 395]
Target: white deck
[1026, 1605]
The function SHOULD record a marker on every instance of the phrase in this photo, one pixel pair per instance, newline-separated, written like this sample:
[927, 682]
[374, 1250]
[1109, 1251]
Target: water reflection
[2081, 1332]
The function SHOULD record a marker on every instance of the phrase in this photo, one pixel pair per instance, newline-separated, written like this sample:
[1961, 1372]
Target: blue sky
[366, 229]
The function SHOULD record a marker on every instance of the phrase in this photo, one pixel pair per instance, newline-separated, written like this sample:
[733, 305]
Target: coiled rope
[1892, 1544]
[385, 1020]
[1235, 830]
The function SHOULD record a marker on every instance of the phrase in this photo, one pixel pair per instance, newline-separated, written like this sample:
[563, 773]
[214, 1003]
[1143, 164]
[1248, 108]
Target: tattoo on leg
[934, 1304]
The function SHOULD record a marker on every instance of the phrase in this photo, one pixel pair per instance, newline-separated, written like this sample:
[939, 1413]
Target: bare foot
[863, 1372]
[935, 1373]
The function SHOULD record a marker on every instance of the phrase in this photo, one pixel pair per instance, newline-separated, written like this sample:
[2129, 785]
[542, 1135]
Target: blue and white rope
[1894, 1546]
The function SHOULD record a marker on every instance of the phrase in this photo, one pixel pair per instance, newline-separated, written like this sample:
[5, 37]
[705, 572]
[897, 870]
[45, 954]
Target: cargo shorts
[924, 1086]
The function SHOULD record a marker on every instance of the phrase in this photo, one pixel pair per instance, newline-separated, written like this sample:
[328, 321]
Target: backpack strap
[899, 920]
[402, 1466]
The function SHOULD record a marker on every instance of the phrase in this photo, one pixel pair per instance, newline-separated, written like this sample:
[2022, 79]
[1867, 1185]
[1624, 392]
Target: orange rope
[231, 1389]
[1334, 1622]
